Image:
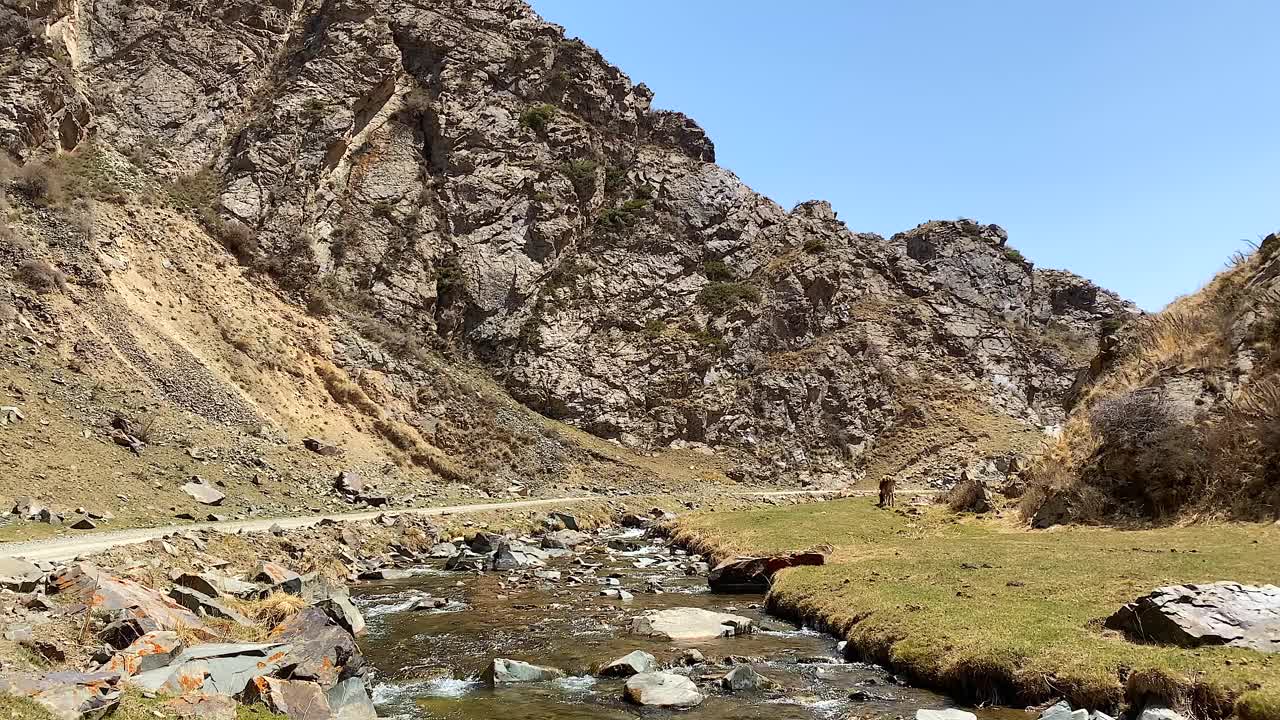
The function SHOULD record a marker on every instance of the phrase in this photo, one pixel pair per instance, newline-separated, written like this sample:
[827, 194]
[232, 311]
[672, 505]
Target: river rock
[319, 649]
[466, 561]
[948, 714]
[754, 574]
[349, 700]
[666, 690]
[690, 624]
[564, 540]
[19, 575]
[484, 543]
[568, 521]
[744, 678]
[1221, 613]
[443, 550]
[386, 574]
[1063, 711]
[502, 671]
[296, 699]
[215, 668]
[343, 611]
[633, 663]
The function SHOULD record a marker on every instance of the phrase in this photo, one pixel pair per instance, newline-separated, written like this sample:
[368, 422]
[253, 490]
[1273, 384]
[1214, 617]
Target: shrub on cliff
[720, 297]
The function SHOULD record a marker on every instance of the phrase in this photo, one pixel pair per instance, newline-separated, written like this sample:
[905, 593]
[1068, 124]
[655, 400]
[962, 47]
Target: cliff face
[461, 172]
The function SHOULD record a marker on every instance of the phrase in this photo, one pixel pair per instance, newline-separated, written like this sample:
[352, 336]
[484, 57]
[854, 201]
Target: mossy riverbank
[994, 614]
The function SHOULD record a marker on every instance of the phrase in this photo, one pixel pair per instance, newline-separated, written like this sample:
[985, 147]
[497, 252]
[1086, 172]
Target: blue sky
[1136, 143]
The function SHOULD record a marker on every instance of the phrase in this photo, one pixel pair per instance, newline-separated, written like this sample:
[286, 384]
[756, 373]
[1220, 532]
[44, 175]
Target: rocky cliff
[459, 179]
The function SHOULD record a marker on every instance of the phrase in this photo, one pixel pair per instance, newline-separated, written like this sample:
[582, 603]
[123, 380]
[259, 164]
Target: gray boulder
[216, 668]
[279, 578]
[663, 690]
[201, 604]
[69, 695]
[1063, 711]
[1221, 613]
[563, 540]
[349, 700]
[632, 663]
[744, 678]
[1159, 712]
[502, 671]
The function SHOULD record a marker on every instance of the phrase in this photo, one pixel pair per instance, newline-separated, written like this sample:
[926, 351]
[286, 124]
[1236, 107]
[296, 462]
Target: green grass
[993, 613]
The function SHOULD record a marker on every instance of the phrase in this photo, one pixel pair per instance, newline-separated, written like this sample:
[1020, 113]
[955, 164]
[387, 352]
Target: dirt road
[66, 548]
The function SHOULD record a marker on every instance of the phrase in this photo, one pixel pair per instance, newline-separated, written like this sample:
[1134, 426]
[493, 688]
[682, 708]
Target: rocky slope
[452, 182]
[1178, 414]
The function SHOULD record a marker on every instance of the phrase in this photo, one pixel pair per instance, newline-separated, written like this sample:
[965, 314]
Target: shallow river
[426, 661]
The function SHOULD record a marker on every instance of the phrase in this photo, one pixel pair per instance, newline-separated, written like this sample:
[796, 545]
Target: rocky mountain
[1177, 415]
[420, 194]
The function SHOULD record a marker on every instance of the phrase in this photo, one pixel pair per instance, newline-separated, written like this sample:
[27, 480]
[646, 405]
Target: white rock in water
[661, 689]
[690, 624]
[948, 714]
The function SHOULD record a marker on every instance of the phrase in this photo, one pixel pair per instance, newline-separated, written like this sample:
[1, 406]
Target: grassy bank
[995, 614]
[132, 707]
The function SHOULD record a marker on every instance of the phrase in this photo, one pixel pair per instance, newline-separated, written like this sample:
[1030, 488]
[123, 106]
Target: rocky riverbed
[578, 625]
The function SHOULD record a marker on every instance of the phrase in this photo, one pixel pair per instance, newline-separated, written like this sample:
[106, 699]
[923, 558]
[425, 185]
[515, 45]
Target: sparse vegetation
[654, 328]
[1012, 254]
[582, 174]
[717, 271]
[815, 246]
[40, 183]
[721, 297]
[538, 117]
[623, 216]
[195, 192]
[41, 276]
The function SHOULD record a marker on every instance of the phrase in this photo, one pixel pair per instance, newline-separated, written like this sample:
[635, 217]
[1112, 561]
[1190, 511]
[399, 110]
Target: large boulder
[1221, 613]
[320, 650]
[295, 699]
[502, 671]
[664, 690]
[215, 668]
[67, 695]
[19, 575]
[203, 493]
[948, 714]
[103, 591]
[201, 604]
[349, 700]
[217, 585]
[753, 574]
[149, 652]
[564, 540]
[632, 663]
[676, 624]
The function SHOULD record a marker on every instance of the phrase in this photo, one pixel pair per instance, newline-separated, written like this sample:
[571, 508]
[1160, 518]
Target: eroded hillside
[376, 221]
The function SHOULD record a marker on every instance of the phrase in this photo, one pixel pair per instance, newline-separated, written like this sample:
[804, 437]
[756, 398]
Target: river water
[426, 662]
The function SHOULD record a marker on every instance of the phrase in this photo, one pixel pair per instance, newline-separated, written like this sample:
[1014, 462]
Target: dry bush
[420, 452]
[40, 183]
[966, 495]
[1132, 419]
[41, 276]
[346, 392]
[271, 610]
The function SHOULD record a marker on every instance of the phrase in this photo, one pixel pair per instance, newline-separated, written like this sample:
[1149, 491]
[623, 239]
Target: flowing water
[427, 662]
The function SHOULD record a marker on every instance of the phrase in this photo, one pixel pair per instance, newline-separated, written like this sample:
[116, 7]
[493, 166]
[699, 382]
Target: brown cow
[887, 488]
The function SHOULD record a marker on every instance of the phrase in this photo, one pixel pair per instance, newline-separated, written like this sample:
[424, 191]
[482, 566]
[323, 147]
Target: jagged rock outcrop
[464, 172]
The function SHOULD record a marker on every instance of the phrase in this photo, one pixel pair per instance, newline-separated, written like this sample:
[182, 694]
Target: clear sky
[1135, 142]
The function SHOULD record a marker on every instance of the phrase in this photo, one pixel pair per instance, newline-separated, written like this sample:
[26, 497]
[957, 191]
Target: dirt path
[65, 548]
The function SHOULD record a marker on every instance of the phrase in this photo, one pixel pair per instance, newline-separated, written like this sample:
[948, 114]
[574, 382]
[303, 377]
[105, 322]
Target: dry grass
[918, 595]
[1125, 447]
[41, 276]
[270, 611]
[344, 391]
